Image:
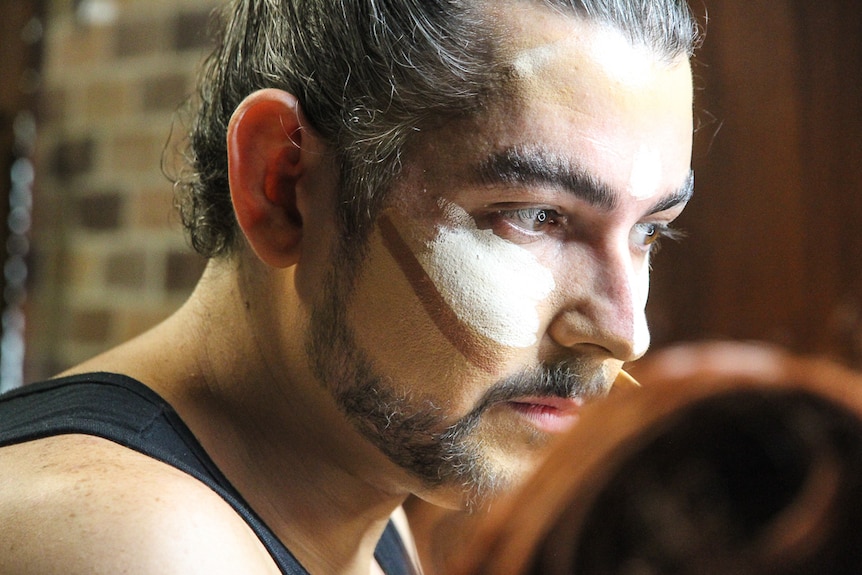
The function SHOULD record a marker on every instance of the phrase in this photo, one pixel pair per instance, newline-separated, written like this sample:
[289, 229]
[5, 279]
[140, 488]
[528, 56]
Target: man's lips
[549, 414]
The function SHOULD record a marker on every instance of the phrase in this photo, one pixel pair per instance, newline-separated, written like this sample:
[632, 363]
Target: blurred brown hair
[732, 459]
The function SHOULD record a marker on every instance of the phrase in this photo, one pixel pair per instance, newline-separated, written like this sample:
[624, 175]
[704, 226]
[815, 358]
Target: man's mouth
[548, 414]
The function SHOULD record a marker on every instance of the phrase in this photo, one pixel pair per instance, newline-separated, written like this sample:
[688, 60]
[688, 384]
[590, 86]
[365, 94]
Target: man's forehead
[586, 45]
[537, 43]
[531, 36]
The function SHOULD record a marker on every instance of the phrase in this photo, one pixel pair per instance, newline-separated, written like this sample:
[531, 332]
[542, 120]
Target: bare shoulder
[78, 504]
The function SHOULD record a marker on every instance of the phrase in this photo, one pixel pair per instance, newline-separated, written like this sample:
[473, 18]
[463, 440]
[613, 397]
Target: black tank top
[127, 412]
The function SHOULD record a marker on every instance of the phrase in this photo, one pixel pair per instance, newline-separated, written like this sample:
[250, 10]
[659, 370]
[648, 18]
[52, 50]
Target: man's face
[506, 282]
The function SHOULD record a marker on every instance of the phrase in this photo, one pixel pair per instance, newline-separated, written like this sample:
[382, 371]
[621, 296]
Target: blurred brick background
[109, 258]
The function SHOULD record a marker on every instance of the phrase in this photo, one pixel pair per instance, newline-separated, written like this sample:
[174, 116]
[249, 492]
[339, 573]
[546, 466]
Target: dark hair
[368, 74]
[746, 482]
[732, 459]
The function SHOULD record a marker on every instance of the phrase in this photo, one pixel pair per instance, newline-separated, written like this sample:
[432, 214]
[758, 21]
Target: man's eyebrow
[536, 166]
[680, 196]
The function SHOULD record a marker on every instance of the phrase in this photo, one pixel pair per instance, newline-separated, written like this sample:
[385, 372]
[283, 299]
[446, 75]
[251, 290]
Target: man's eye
[647, 235]
[531, 219]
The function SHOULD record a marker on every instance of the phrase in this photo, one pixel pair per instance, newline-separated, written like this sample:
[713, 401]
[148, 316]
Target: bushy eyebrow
[679, 196]
[538, 166]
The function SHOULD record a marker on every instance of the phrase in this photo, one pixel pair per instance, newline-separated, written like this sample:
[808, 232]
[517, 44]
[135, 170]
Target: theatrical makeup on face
[452, 353]
[505, 284]
[481, 291]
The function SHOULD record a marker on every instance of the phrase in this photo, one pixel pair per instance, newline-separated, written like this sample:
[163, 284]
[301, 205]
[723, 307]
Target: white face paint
[528, 63]
[646, 172]
[491, 284]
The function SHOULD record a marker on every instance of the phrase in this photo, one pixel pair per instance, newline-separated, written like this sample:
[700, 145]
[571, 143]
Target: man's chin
[498, 472]
[470, 500]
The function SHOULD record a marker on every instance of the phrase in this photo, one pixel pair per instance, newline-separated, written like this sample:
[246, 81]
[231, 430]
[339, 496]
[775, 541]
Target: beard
[417, 434]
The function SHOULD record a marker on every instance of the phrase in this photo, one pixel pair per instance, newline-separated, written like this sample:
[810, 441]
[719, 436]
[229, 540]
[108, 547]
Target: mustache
[568, 379]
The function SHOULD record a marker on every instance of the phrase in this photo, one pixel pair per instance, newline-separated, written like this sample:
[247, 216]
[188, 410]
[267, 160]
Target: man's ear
[265, 163]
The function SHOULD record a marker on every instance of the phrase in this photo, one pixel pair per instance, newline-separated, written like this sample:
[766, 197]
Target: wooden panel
[831, 90]
[773, 252]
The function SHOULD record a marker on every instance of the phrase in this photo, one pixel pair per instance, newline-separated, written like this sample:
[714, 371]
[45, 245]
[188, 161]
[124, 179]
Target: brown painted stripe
[477, 349]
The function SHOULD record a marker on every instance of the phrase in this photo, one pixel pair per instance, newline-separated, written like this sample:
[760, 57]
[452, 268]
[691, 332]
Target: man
[429, 226]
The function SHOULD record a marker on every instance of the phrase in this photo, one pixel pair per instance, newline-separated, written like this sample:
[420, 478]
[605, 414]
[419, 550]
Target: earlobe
[265, 164]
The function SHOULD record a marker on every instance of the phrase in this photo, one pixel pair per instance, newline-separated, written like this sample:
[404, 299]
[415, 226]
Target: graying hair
[667, 27]
[368, 74]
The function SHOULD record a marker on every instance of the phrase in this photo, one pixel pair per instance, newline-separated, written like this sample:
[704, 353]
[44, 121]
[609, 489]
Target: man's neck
[273, 430]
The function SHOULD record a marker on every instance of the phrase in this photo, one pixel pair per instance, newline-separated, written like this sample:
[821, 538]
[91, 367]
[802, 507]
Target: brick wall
[109, 257]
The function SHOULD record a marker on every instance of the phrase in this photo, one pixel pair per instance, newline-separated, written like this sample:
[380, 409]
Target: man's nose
[602, 303]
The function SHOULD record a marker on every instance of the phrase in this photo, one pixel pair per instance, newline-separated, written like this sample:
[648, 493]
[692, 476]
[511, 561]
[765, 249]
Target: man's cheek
[411, 337]
[481, 292]
[425, 297]
[492, 285]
